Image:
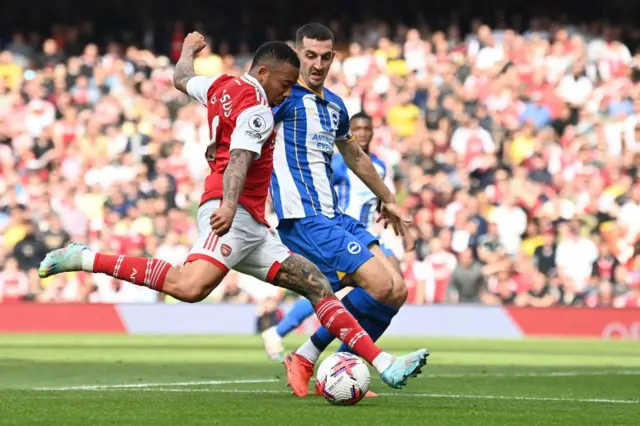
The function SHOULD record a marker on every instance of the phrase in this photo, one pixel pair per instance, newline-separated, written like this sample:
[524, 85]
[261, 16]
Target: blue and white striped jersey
[307, 126]
[354, 197]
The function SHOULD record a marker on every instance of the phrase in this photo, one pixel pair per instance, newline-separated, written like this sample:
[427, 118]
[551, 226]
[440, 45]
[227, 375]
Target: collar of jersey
[321, 94]
[256, 83]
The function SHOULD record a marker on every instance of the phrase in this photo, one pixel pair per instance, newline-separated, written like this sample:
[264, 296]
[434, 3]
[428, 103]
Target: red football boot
[299, 373]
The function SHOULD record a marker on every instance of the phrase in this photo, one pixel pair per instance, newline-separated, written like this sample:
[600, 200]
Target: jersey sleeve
[198, 88]
[344, 128]
[253, 127]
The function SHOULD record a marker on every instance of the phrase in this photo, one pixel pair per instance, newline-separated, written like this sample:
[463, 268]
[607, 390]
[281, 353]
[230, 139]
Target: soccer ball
[343, 378]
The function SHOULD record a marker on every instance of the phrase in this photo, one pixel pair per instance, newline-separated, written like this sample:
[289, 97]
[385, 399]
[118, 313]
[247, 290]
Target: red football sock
[335, 318]
[143, 271]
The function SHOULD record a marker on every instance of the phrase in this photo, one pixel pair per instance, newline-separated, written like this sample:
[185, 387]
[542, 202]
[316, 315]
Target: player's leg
[273, 263]
[378, 318]
[379, 292]
[207, 264]
[192, 283]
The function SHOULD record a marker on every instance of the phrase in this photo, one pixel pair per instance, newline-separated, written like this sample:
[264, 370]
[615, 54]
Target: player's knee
[381, 287]
[194, 291]
[400, 293]
[300, 275]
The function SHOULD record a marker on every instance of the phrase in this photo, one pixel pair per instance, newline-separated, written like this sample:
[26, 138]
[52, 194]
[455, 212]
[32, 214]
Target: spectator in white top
[490, 53]
[512, 222]
[575, 88]
[574, 259]
[630, 211]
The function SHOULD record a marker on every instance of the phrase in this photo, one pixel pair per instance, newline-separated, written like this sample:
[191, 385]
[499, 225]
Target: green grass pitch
[153, 380]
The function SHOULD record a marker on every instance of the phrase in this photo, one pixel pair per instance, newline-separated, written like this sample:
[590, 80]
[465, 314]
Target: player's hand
[390, 215]
[193, 42]
[222, 219]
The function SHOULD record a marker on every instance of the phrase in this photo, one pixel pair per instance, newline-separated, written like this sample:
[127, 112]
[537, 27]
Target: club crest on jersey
[354, 248]
[335, 119]
[225, 249]
[257, 123]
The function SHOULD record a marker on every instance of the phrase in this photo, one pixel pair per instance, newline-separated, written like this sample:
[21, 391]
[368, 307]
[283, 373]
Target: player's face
[277, 81]
[315, 60]
[362, 130]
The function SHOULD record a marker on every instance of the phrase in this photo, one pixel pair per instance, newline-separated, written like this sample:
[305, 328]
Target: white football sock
[383, 361]
[309, 351]
[88, 257]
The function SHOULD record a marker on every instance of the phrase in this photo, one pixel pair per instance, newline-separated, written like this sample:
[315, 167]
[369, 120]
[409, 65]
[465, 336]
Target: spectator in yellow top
[522, 145]
[208, 63]
[10, 70]
[403, 117]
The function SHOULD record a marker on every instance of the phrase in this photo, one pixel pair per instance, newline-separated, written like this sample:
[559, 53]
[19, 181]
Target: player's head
[276, 66]
[362, 129]
[314, 43]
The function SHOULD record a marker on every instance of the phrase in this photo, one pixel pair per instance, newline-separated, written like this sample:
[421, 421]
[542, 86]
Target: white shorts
[248, 247]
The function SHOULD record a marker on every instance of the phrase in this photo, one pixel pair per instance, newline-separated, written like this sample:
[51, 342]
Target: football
[343, 378]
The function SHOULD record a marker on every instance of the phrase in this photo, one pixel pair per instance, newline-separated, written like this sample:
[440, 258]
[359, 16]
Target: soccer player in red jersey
[233, 232]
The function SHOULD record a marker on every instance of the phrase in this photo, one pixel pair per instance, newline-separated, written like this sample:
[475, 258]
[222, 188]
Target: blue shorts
[337, 245]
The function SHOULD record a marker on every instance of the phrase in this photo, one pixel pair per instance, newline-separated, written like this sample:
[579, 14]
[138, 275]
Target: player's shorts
[248, 247]
[338, 245]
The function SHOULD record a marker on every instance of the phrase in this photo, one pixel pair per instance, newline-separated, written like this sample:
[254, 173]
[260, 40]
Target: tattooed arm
[303, 277]
[235, 175]
[233, 181]
[193, 43]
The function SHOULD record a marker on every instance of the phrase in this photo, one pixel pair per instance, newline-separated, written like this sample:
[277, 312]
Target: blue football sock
[301, 310]
[372, 315]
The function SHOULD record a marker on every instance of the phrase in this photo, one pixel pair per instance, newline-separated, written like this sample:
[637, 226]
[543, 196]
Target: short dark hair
[361, 115]
[277, 51]
[313, 31]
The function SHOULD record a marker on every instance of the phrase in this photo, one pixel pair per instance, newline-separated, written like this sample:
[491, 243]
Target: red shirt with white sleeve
[239, 117]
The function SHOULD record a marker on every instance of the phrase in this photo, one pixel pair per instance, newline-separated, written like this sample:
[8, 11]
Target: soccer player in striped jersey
[309, 124]
[354, 199]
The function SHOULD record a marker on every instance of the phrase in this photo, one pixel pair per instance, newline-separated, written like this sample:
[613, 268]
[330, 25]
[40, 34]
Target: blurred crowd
[516, 155]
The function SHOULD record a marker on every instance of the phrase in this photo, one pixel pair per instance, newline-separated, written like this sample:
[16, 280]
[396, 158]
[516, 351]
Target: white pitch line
[417, 395]
[542, 374]
[153, 385]
[258, 381]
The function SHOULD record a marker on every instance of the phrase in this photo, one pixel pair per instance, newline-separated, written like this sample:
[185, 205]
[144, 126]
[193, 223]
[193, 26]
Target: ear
[262, 73]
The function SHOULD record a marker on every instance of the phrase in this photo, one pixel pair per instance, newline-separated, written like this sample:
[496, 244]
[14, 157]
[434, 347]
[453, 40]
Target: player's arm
[253, 127]
[235, 176]
[360, 163]
[184, 71]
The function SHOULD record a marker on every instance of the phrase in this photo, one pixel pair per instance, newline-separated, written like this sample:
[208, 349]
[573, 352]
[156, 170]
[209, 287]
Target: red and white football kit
[239, 118]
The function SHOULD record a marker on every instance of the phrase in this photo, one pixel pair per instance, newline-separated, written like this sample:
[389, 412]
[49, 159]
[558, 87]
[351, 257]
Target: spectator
[14, 284]
[545, 255]
[574, 259]
[467, 282]
[29, 251]
[511, 223]
[541, 295]
[55, 237]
